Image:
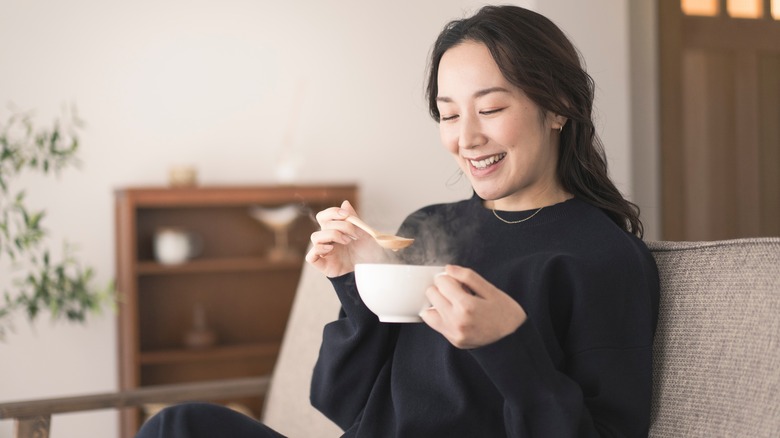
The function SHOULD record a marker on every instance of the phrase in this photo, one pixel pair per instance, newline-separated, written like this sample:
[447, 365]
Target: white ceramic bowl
[395, 293]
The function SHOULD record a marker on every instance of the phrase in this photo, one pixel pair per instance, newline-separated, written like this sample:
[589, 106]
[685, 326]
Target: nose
[470, 135]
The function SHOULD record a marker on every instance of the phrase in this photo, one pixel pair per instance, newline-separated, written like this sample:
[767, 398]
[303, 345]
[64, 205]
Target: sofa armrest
[33, 416]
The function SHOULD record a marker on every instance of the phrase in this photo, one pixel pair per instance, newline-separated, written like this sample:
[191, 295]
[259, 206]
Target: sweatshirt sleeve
[353, 352]
[600, 382]
[603, 392]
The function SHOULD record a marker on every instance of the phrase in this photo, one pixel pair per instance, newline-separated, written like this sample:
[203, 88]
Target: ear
[556, 121]
[559, 122]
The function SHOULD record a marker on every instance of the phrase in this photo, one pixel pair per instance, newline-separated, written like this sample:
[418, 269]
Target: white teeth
[481, 164]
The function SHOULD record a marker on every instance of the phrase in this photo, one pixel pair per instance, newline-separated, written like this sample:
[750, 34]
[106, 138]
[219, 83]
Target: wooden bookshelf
[245, 295]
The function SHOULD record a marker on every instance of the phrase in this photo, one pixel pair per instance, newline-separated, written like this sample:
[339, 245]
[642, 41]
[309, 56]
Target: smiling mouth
[487, 162]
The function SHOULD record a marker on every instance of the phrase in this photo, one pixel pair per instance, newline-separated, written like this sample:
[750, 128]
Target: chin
[490, 188]
[487, 194]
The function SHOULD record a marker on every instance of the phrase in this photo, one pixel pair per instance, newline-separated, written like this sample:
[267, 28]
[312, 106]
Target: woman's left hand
[470, 320]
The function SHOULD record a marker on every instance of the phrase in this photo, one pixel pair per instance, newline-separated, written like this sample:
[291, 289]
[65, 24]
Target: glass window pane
[745, 8]
[700, 7]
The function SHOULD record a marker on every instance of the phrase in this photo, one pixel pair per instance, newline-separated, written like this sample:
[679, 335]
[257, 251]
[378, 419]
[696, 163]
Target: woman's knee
[195, 420]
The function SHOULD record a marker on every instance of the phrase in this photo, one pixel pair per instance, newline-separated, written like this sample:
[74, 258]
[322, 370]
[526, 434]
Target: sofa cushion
[717, 347]
[287, 407]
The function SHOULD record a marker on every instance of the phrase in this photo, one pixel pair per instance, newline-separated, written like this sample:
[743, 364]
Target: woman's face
[501, 140]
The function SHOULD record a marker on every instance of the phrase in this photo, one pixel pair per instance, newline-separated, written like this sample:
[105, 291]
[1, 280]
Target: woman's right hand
[338, 245]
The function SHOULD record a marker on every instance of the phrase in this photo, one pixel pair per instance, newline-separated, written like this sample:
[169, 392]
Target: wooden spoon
[387, 241]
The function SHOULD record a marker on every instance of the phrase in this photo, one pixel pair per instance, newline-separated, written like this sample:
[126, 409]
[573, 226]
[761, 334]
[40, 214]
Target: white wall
[618, 41]
[645, 115]
[599, 29]
[214, 84]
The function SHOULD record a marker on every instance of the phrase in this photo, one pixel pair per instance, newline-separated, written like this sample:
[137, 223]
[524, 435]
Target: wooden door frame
[670, 118]
[676, 33]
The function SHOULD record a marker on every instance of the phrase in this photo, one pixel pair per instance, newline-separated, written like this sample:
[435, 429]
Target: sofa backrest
[287, 408]
[717, 345]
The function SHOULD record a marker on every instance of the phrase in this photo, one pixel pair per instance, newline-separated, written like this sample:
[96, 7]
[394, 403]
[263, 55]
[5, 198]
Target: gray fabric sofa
[716, 352]
[717, 348]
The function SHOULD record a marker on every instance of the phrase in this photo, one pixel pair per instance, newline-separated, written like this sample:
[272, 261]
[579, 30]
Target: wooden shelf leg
[33, 427]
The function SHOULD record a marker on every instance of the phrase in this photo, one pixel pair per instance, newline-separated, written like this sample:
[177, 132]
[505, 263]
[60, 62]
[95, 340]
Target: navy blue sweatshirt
[580, 366]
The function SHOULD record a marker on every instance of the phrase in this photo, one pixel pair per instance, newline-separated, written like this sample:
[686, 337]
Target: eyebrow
[479, 93]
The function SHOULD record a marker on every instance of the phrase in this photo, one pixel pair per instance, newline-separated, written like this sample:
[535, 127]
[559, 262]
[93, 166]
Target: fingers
[433, 318]
[333, 230]
[440, 305]
[471, 280]
[324, 242]
[469, 320]
[437, 299]
[336, 213]
[317, 252]
[333, 219]
[332, 214]
[331, 235]
[348, 208]
[444, 316]
[453, 290]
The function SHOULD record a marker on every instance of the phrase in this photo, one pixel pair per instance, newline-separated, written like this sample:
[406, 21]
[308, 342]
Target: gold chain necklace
[517, 221]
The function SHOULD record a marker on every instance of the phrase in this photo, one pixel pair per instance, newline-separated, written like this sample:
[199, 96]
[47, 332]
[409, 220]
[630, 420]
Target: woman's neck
[529, 201]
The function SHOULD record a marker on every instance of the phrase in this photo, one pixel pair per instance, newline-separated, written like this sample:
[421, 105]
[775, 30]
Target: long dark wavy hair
[536, 56]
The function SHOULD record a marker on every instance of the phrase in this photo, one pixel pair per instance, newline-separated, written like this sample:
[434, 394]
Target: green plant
[39, 280]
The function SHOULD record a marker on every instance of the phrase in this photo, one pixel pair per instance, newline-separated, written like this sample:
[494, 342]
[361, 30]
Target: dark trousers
[203, 420]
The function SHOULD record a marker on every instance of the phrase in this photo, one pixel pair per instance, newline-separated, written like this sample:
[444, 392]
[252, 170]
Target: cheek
[449, 139]
[508, 132]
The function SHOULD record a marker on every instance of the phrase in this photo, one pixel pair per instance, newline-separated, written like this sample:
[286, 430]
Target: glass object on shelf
[199, 335]
[278, 219]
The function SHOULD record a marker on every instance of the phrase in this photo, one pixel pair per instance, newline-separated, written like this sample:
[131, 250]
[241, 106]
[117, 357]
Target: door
[720, 118]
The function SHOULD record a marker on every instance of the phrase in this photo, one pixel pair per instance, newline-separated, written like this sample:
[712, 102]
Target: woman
[543, 325]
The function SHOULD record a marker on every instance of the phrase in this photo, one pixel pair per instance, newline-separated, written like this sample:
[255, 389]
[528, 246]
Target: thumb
[348, 207]
[471, 280]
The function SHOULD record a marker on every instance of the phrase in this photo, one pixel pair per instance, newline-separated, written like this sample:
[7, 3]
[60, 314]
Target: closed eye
[492, 111]
[448, 118]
